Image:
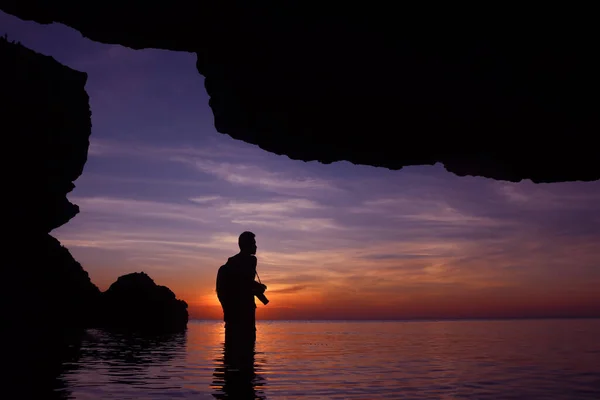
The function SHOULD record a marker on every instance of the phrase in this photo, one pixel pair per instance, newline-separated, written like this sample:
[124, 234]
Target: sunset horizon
[162, 192]
[276, 201]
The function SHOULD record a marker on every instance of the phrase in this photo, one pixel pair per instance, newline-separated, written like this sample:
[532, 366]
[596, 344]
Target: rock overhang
[503, 95]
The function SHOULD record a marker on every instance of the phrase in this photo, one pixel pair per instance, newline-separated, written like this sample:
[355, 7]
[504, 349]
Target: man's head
[247, 243]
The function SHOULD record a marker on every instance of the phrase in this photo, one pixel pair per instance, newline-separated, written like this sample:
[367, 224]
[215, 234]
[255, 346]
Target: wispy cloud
[271, 207]
[131, 208]
[406, 248]
[289, 289]
[212, 159]
[134, 148]
[253, 175]
[418, 209]
[205, 199]
[206, 223]
[544, 197]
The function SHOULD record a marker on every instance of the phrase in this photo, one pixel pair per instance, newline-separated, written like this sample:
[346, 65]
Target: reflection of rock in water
[121, 348]
[235, 376]
[116, 364]
[41, 376]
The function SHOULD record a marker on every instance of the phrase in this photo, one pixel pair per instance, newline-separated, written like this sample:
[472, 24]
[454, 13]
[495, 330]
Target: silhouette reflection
[235, 376]
[37, 362]
[133, 348]
[113, 364]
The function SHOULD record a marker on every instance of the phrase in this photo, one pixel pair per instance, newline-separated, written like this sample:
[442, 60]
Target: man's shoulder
[230, 265]
[250, 260]
[241, 258]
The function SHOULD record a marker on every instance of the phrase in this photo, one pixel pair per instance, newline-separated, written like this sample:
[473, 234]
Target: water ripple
[345, 360]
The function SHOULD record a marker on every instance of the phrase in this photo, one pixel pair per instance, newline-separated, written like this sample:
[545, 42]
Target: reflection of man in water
[236, 377]
[236, 289]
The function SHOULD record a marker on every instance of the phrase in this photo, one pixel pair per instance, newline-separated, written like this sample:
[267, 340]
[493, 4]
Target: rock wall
[47, 297]
[503, 93]
[46, 123]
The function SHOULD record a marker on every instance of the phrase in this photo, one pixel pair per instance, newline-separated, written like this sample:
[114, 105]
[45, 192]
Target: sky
[164, 193]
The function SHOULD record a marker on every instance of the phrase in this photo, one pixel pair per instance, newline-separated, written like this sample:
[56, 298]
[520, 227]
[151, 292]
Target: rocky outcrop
[501, 93]
[46, 300]
[45, 286]
[46, 124]
[135, 302]
[46, 296]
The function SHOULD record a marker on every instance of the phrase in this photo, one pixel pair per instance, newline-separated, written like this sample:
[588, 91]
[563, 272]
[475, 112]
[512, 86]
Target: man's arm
[258, 287]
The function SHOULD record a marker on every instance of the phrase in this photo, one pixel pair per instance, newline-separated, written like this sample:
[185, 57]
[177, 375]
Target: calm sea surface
[527, 359]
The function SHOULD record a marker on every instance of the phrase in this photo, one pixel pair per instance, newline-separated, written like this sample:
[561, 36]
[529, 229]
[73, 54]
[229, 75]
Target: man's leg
[240, 328]
[253, 326]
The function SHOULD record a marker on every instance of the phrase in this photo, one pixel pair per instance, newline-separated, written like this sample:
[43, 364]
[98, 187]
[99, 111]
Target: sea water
[505, 359]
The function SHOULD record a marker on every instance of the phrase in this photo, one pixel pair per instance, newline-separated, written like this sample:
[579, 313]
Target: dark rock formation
[46, 286]
[46, 124]
[135, 302]
[46, 300]
[46, 296]
[503, 93]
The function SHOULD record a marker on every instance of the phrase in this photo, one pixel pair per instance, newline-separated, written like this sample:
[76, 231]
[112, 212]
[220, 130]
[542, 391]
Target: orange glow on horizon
[339, 284]
[520, 274]
[453, 305]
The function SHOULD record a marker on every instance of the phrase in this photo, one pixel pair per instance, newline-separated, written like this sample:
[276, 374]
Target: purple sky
[164, 193]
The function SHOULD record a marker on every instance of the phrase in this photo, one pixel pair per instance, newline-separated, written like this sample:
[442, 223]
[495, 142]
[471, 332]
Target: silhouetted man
[236, 289]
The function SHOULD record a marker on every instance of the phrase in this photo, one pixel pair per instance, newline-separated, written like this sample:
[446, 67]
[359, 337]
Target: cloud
[205, 199]
[394, 256]
[291, 224]
[336, 239]
[92, 179]
[513, 194]
[203, 230]
[132, 148]
[270, 207]
[544, 197]
[133, 208]
[425, 210]
[253, 175]
[251, 171]
[210, 210]
[289, 289]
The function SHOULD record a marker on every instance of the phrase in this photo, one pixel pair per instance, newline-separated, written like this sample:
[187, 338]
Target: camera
[263, 299]
[260, 293]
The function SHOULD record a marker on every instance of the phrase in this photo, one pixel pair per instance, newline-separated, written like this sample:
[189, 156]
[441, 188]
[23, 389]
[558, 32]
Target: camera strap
[258, 277]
